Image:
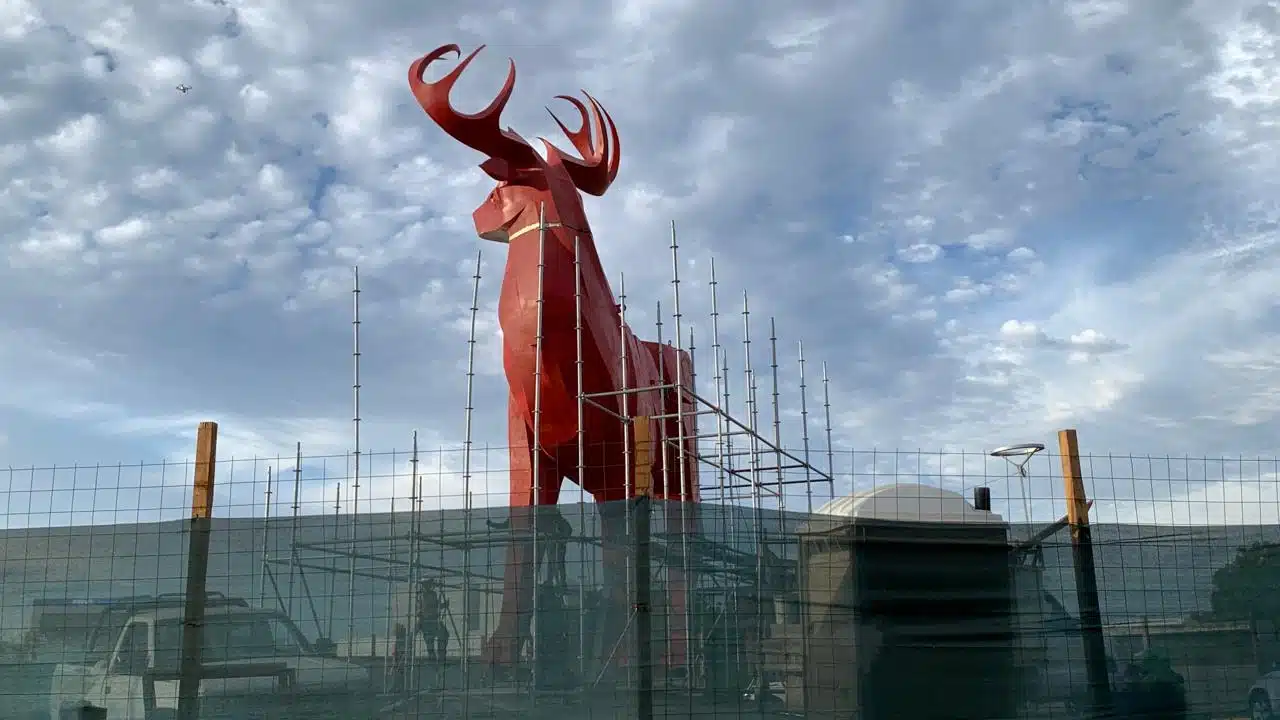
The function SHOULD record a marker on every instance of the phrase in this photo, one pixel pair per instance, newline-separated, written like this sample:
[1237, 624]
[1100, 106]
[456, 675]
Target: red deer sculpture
[528, 184]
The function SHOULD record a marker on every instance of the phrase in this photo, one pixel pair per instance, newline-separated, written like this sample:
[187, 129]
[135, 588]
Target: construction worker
[430, 620]
[554, 533]
[442, 630]
[1150, 688]
[398, 647]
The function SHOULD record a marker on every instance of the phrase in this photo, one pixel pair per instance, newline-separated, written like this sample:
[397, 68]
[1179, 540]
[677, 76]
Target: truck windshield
[62, 626]
[232, 637]
[103, 639]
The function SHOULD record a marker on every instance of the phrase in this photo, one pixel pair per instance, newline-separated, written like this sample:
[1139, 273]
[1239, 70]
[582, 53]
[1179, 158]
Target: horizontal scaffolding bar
[633, 391]
[740, 474]
[765, 445]
[602, 408]
[394, 561]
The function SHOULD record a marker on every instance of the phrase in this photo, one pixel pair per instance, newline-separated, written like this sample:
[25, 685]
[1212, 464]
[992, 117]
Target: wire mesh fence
[397, 584]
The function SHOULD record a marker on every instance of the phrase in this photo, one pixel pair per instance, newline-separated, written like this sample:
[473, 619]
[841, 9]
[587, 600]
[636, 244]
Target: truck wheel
[1260, 707]
[76, 712]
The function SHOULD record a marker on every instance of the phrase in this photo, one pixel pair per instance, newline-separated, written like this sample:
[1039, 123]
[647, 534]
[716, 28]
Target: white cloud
[128, 231]
[1100, 175]
[966, 290]
[920, 253]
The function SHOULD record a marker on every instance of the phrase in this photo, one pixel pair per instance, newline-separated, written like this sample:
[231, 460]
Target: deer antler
[479, 131]
[507, 151]
[596, 170]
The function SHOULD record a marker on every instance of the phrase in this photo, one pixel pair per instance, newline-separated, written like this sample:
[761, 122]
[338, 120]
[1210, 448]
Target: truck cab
[253, 661]
[57, 627]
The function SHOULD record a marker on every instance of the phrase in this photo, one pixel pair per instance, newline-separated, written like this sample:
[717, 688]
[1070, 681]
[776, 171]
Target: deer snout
[491, 222]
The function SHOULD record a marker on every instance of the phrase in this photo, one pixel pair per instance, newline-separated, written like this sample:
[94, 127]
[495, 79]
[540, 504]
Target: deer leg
[616, 603]
[520, 573]
[679, 523]
[615, 632]
[681, 519]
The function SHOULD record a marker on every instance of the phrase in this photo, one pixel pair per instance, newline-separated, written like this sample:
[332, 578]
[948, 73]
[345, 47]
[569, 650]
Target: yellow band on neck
[530, 228]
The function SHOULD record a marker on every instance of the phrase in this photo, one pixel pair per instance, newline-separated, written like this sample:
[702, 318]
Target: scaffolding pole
[390, 629]
[695, 413]
[444, 604]
[679, 378]
[693, 382]
[466, 488]
[297, 495]
[826, 406]
[777, 416]
[681, 466]
[582, 452]
[333, 578]
[625, 404]
[721, 390]
[355, 464]
[411, 676]
[266, 538]
[663, 388]
[724, 435]
[537, 438]
[625, 389]
[804, 426]
[253, 539]
[758, 511]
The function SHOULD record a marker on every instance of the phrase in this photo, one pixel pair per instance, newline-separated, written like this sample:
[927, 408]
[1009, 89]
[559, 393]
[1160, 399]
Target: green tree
[1248, 587]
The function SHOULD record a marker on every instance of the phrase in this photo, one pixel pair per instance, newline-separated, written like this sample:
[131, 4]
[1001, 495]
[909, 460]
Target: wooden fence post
[1095, 646]
[197, 572]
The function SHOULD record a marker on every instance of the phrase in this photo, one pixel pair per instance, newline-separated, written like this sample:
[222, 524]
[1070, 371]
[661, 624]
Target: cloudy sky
[991, 220]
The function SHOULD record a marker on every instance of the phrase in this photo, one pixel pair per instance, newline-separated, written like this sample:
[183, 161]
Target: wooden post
[197, 572]
[1095, 646]
[642, 473]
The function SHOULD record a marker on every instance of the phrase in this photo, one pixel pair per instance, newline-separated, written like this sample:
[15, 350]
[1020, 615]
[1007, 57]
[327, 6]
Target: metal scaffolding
[746, 462]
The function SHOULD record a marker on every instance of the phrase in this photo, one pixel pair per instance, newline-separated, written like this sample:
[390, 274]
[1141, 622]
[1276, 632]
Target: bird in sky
[183, 89]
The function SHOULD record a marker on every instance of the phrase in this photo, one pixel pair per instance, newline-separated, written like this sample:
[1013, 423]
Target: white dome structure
[908, 502]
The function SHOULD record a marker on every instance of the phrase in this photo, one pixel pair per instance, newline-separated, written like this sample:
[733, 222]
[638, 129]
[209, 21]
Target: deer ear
[497, 169]
[536, 179]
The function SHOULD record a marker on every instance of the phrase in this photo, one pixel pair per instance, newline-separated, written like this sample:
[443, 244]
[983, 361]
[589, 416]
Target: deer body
[536, 209]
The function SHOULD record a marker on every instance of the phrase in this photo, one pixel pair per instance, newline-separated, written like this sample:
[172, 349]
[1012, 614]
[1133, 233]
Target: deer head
[526, 181]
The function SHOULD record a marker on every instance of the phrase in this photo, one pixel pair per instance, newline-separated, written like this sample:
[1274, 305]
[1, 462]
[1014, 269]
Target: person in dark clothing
[430, 620]
[398, 666]
[442, 634]
[1151, 689]
[554, 533]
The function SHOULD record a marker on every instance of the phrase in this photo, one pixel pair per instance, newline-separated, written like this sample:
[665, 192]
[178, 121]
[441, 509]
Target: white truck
[255, 664]
[1264, 696]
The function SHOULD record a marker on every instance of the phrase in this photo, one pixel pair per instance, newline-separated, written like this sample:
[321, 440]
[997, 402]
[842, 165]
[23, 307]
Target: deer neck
[552, 217]
[556, 237]
[548, 246]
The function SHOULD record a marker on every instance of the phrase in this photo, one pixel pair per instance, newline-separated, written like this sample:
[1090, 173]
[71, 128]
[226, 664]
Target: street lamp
[1019, 456]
